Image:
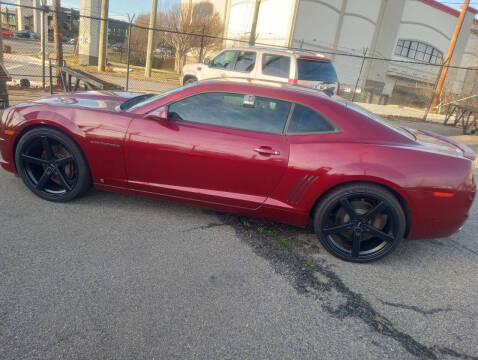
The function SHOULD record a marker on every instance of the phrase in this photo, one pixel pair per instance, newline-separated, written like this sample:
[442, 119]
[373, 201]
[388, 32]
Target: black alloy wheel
[360, 222]
[52, 165]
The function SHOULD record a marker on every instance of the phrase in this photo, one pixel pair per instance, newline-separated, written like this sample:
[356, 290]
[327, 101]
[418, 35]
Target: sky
[121, 8]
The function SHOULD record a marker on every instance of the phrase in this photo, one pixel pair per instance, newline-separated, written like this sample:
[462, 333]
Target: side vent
[300, 188]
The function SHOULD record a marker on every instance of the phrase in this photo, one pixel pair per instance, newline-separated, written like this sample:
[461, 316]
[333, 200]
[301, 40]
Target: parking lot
[114, 276]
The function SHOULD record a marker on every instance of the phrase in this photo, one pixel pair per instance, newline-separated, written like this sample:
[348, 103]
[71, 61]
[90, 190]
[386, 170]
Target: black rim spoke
[46, 147]
[356, 244]
[337, 229]
[63, 180]
[374, 212]
[63, 161]
[34, 160]
[43, 179]
[348, 208]
[380, 234]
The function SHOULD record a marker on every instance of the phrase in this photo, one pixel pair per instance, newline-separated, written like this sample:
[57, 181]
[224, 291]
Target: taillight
[293, 81]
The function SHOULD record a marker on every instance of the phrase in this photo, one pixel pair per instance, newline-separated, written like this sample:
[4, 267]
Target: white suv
[288, 66]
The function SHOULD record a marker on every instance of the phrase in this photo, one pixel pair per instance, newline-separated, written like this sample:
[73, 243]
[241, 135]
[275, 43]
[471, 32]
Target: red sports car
[277, 152]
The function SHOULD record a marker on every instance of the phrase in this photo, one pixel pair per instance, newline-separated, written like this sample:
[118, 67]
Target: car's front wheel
[52, 165]
[360, 222]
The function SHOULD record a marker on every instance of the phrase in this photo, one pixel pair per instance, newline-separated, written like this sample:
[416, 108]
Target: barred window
[419, 51]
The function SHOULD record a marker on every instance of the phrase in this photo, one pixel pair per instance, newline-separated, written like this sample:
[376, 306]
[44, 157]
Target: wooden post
[56, 7]
[149, 51]
[252, 37]
[103, 36]
[449, 55]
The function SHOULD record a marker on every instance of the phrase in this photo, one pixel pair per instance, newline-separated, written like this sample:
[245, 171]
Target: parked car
[163, 51]
[22, 34]
[72, 41]
[35, 35]
[7, 33]
[271, 64]
[117, 46]
[283, 152]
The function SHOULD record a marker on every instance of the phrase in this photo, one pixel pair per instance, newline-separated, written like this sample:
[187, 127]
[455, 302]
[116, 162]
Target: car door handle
[266, 151]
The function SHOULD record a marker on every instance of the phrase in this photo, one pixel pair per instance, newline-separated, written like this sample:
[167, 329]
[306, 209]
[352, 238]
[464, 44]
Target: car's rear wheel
[360, 222]
[52, 165]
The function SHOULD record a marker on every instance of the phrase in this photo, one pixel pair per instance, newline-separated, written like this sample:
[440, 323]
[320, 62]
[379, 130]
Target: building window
[419, 51]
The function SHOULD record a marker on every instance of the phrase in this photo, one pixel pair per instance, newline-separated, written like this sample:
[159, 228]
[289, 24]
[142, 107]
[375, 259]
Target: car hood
[107, 100]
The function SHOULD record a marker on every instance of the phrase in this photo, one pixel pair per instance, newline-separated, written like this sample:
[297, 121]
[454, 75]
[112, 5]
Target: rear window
[306, 121]
[312, 70]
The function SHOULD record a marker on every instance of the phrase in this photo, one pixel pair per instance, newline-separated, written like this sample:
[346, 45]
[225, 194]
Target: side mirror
[207, 61]
[158, 114]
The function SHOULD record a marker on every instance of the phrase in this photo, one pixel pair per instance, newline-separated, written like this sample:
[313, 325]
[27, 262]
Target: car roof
[283, 90]
[299, 53]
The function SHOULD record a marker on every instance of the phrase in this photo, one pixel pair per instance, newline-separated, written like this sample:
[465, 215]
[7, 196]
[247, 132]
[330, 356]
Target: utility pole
[449, 55]
[149, 53]
[252, 38]
[56, 7]
[103, 35]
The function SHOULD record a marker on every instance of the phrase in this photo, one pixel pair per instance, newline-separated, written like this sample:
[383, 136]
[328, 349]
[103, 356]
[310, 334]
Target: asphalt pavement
[111, 276]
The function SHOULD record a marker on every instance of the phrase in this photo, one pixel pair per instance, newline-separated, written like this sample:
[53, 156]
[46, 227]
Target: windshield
[313, 70]
[382, 121]
[141, 100]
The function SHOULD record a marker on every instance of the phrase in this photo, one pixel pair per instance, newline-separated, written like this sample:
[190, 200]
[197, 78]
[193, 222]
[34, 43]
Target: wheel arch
[30, 127]
[400, 198]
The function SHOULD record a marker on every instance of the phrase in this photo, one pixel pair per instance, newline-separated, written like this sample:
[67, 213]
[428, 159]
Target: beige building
[401, 30]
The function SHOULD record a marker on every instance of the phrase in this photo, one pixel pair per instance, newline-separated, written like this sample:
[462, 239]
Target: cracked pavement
[114, 276]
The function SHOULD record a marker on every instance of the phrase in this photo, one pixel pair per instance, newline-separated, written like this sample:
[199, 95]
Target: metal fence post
[360, 74]
[130, 25]
[51, 77]
[202, 43]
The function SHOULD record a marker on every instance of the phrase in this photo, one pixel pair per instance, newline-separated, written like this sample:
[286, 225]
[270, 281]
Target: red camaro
[282, 153]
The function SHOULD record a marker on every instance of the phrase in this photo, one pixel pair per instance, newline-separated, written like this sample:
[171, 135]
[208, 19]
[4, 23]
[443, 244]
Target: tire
[52, 165]
[360, 222]
[190, 80]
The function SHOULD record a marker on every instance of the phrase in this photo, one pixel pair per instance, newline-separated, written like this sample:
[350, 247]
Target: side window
[245, 61]
[306, 120]
[235, 111]
[276, 65]
[225, 60]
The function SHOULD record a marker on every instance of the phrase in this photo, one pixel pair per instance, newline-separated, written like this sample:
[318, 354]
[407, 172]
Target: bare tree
[187, 21]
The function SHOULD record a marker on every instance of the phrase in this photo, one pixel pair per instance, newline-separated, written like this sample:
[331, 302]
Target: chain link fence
[404, 86]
